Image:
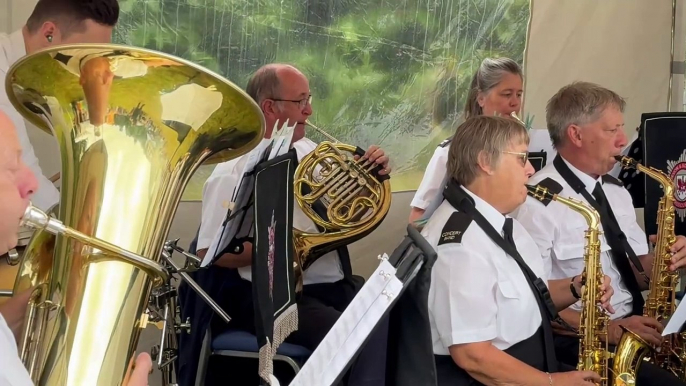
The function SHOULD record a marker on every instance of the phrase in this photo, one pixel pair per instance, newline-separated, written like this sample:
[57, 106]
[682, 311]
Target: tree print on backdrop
[392, 73]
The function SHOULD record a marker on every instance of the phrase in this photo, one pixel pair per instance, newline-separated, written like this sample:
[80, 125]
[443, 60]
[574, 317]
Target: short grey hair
[264, 84]
[579, 103]
[490, 135]
[488, 76]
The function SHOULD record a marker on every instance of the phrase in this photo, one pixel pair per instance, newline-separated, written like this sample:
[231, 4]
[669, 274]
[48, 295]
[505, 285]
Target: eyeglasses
[302, 103]
[522, 156]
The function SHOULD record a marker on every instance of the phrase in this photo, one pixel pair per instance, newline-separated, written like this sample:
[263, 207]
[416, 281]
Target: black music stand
[661, 144]
[410, 359]
[538, 159]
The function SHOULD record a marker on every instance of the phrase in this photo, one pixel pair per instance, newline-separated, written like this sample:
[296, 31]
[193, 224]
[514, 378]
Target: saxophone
[661, 302]
[593, 347]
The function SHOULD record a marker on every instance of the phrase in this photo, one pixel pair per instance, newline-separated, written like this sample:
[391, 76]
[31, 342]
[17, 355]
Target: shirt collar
[17, 48]
[495, 218]
[588, 181]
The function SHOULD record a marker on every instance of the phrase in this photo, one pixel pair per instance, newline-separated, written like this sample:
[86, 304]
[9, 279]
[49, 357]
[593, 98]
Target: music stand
[401, 280]
[538, 159]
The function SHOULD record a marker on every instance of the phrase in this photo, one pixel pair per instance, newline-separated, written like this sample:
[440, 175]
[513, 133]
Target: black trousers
[567, 351]
[319, 307]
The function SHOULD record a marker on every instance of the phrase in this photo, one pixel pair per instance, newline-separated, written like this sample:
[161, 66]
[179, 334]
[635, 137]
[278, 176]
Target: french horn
[346, 198]
[132, 125]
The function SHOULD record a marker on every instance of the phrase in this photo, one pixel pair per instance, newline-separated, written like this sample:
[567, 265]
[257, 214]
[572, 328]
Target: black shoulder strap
[459, 200]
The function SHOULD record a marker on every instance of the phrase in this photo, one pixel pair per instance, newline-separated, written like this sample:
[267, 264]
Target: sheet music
[352, 328]
[676, 321]
[241, 225]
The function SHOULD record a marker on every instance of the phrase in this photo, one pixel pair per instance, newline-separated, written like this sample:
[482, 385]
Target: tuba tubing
[39, 220]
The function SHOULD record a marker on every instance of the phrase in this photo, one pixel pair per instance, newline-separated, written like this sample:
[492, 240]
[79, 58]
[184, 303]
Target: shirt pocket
[570, 245]
[510, 307]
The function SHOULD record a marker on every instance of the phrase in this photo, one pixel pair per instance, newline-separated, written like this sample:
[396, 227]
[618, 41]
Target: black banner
[276, 314]
[664, 148]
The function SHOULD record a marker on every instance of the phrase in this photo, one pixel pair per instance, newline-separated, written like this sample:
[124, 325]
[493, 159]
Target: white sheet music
[676, 321]
[241, 226]
[352, 328]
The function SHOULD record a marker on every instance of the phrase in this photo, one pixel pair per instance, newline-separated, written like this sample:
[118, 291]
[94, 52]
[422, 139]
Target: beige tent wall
[623, 45]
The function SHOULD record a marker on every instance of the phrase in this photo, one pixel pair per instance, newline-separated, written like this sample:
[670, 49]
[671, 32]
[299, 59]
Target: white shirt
[12, 371]
[430, 190]
[216, 195]
[559, 232]
[11, 50]
[478, 293]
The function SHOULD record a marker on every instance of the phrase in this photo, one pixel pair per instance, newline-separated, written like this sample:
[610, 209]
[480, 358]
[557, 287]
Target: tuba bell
[132, 125]
[344, 197]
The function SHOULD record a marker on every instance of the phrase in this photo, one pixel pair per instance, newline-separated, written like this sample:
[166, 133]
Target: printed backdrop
[388, 72]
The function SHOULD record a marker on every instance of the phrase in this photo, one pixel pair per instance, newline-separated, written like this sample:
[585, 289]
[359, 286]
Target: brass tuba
[355, 200]
[661, 301]
[132, 126]
[594, 354]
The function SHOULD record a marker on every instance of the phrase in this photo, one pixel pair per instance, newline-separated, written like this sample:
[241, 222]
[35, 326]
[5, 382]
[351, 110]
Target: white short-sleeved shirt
[11, 50]
[216, 196]
[478, 293]
[430, 190]
[12, 372]
[559, 232]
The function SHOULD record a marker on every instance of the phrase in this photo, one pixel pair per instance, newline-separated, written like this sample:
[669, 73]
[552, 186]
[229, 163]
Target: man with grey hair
[586, 127]
[283, 94]
[490, 301]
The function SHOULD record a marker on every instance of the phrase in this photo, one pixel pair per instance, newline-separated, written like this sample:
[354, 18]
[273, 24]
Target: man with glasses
[283, 94]
[586, 127]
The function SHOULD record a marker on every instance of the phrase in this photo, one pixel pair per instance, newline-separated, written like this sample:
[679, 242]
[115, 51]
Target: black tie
[507, 232]
[617, 241]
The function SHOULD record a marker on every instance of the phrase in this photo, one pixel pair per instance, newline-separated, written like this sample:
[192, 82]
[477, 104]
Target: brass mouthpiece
[626, 162]
[514, 115]
[322, 132]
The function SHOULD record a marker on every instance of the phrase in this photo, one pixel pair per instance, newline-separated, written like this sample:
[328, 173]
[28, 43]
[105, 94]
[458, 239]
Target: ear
[268, 107]
[49, 33]
[574, 135]
[481, 99]
[484, 165]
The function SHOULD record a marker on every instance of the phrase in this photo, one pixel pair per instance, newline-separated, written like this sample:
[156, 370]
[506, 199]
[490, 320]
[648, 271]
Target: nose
[515, 102]
[621, 138]
[529, 169]
[307, 111]
[27, 182]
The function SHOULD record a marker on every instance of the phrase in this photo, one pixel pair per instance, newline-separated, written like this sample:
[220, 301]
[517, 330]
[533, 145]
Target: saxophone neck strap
[607, 217]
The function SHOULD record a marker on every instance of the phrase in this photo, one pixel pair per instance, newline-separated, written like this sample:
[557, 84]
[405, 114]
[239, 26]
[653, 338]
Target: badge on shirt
[454, 228]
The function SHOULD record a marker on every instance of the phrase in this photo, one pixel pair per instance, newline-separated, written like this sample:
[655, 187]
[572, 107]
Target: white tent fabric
[622, 45]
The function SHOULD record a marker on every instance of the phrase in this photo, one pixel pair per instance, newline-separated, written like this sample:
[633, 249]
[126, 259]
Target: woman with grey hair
[496, 89]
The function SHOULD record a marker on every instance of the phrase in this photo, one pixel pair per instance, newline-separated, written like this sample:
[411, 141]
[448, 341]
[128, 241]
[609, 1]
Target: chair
[235, 343]
[242, 344]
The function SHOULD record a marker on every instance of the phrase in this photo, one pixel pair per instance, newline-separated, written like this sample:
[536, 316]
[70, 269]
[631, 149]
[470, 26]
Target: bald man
[17, 184]
[283, 94]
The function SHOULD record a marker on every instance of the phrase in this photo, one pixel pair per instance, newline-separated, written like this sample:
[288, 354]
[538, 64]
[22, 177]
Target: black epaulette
[608, 179]
[552, 186]
[445, 142]
[454, 228]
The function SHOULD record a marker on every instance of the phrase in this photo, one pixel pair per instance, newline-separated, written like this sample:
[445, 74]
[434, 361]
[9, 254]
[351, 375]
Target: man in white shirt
[53, 22]
[587, 128]
[17, 184]
[491, 303]
[283, 93]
